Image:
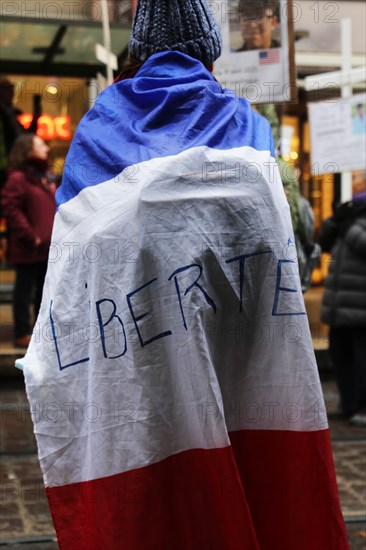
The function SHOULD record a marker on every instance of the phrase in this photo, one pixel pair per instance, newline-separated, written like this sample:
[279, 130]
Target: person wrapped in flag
[174, 391]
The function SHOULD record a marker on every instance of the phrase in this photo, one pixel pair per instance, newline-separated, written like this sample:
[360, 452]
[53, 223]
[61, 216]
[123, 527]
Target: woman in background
[29, 208]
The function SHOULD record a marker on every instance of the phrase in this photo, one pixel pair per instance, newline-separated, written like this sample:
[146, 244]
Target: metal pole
[346, 48]
[107, 39]
[346, 44]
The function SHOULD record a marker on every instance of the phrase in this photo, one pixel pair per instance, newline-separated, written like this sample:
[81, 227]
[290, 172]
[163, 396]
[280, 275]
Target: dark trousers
[347, 347]
[28, 289]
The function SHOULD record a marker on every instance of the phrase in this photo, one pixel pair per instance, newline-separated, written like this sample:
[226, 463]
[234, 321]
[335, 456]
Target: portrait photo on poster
[255, 26]
[257, 61]
[359, 118]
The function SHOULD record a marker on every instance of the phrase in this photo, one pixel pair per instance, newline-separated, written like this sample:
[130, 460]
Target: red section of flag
[198, 499]
[192, 500]
[291, 489]
[269, 57]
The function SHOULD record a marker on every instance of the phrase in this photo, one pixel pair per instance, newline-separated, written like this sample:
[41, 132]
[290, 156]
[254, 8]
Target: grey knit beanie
[187, 26]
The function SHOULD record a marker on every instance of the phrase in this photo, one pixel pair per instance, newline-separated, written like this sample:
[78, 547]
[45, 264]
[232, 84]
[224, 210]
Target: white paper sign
[254, 66]
[338, 135]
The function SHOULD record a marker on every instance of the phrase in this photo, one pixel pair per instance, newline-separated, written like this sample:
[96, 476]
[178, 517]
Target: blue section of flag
[171, 105]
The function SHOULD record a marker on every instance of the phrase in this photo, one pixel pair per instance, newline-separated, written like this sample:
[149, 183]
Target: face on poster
[358, 182]
[257, 59]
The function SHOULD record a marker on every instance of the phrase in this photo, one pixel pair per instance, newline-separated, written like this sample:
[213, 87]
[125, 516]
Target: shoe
[358, 420]
[22, 342]
[337, 415]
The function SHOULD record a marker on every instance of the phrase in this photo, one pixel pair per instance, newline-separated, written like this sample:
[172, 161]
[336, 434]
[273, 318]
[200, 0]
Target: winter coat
[344, 301]
[29, 208]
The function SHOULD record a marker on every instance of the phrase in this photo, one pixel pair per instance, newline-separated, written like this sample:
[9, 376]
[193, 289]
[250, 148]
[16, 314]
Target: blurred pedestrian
[302, 215]
[29, 208]
[10, 129]
[344, 304]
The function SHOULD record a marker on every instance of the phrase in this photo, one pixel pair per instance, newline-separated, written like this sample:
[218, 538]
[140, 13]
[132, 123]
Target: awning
[57, 46]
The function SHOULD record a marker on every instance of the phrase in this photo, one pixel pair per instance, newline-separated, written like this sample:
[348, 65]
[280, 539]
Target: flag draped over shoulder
[173, 387]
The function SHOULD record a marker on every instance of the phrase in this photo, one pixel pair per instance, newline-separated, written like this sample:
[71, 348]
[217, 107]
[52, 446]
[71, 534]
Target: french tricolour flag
[175, 396]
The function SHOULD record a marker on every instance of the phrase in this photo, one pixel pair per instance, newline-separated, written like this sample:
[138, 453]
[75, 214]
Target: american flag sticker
[269, 56]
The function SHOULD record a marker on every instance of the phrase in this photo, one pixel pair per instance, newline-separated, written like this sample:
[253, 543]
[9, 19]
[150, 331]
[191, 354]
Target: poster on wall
[257, 60]
[338, 135]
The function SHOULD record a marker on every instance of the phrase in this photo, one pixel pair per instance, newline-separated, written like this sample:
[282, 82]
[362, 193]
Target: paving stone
[11, 527]
[9, 510]
[357, 535]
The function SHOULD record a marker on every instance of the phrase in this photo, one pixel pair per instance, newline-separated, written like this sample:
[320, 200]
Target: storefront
[63, 103]
[48, 50]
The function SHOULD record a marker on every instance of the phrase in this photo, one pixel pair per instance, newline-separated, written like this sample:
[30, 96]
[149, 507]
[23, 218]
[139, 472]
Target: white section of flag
[224, 371]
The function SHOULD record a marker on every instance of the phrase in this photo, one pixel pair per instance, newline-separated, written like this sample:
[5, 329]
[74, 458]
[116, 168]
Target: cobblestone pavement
[25, 519]
[349, 452]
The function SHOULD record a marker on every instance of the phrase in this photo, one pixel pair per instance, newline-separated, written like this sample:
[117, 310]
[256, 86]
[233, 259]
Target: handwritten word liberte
[105, 319]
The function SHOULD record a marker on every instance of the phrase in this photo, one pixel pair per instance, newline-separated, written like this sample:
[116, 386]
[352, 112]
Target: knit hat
[187, 26]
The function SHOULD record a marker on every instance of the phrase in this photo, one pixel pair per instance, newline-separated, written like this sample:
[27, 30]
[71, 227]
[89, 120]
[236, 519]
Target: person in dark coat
[10, 127]
[29, 208]
[344, 304]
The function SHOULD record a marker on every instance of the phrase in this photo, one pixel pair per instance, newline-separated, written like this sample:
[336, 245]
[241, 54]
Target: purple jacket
[29, 208]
